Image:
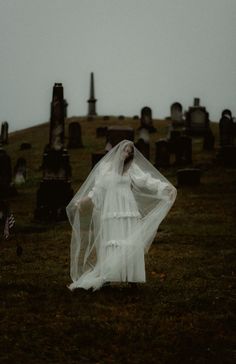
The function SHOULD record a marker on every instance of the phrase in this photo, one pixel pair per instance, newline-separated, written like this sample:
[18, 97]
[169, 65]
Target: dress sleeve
[145, 180]
[96, 194]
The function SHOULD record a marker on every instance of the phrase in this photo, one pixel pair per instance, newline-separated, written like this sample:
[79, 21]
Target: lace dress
[117, 260]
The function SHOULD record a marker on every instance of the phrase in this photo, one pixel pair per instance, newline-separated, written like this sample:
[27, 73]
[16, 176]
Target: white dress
[117, 260]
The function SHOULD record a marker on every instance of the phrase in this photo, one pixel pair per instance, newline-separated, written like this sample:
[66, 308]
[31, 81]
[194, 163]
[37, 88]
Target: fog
[142, 52]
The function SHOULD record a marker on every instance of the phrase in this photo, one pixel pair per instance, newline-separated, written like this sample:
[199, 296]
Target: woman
[114, 218]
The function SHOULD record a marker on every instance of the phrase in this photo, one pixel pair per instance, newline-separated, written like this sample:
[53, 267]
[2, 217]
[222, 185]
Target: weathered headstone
[92, 101]
[4, 133]
[56, 135]
[188, 177]
[20, 171]
[226, 128]
[55, 190]
[146, 119]
[75, 137]
[116, 134]
[162, 157]
[197, 119]
[176, 112]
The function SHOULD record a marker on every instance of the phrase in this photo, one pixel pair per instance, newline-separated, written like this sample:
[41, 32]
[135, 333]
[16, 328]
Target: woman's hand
[82, 203]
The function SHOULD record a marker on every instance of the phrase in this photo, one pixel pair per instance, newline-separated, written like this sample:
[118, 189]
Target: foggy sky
[142, 52]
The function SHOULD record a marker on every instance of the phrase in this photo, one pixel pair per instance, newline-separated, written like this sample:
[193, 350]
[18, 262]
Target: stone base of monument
[227, 156]
[188, 177]
[52, 198]
[101, 131]
[96, 157]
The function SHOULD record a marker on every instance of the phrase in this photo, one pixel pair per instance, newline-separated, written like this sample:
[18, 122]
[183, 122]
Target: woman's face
[128, 152]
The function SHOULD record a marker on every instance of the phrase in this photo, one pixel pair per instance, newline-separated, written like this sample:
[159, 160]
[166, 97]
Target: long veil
[154, 196]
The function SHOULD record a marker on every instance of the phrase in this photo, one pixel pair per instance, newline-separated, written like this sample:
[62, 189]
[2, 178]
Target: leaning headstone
[4, 133]
[116, 134]
[188, 177]
[197, 119]
[176, 114]
[226, 128]
[55, 190]
[75, 137]
[146, 119]
[20, 171]
[162, 156]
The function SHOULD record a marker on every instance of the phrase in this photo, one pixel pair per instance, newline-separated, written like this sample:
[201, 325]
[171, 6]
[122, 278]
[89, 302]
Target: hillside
[183, 314]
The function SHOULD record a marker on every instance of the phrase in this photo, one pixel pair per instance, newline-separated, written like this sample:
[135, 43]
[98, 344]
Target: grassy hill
[183, 314]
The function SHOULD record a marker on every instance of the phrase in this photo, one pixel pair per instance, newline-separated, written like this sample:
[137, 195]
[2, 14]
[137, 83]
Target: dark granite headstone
[116, 134]
[209, 140]
[227, 156]
[96, 157]
[55, 190]
[188, 177]
[6, 187]
[146, 119]
[20, 171]
[226, 128]
[4, 133]
[183, 150]
[162, 157]
[75, 137]
[65, 103]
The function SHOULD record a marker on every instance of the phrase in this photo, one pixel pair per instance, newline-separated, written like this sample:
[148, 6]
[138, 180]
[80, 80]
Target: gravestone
[20, 171]
[116, 134]
[4, 133]
[6, 187]
[227, 156]
[197, 119]
[183, 150]
[226, 128]
[146, 119]
[96, 157]
[75, 137]
[172, 136]
[176, 112]
[209, 140]
[55, 190]
[188, 177]
[162, 155]
[92, 101]
[143, 142]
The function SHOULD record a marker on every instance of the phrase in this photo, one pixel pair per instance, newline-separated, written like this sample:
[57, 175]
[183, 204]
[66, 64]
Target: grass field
[183, 314]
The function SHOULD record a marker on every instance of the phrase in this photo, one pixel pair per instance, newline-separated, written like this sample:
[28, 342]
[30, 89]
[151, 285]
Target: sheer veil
[153, 194]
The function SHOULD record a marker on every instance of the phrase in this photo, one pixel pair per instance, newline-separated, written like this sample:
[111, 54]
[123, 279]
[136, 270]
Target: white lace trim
[112, 215]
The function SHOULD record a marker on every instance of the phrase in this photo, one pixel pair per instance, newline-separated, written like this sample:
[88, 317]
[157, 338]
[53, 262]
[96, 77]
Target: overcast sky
[142, 52]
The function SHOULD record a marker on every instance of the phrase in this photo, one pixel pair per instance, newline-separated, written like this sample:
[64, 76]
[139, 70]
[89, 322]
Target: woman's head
[128, 152]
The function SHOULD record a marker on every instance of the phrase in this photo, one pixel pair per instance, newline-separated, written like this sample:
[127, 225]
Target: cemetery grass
[183, 314]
